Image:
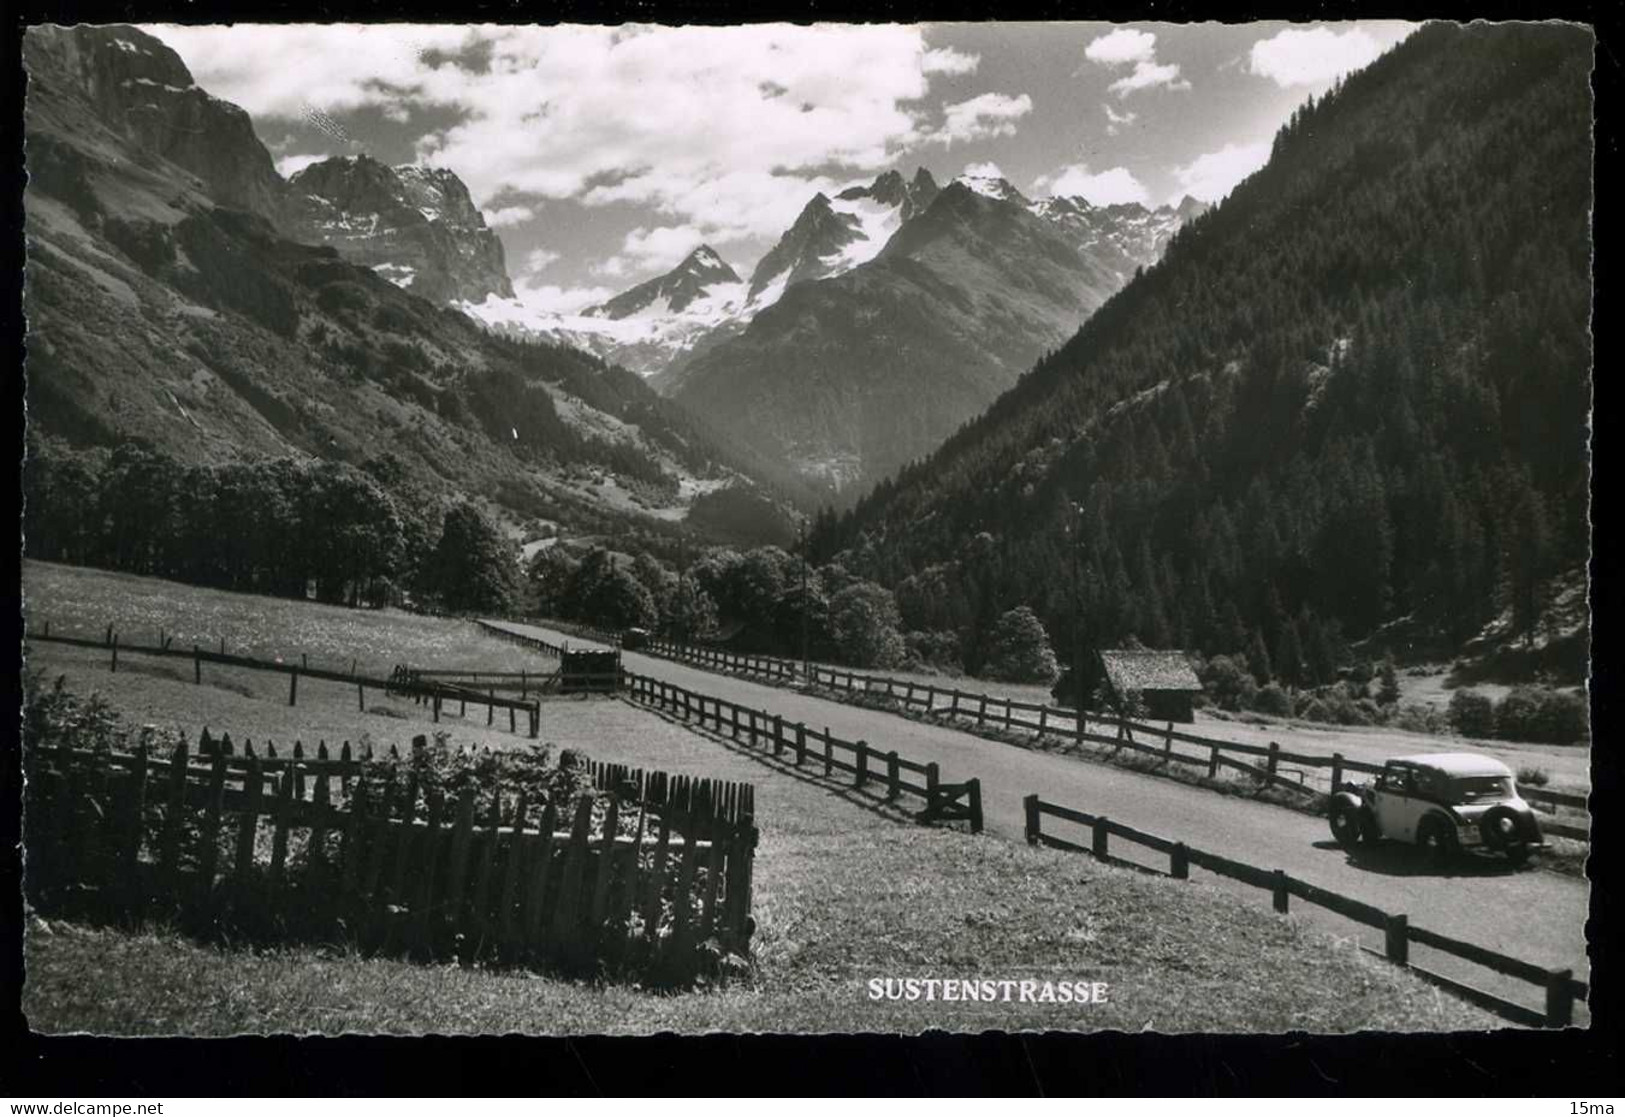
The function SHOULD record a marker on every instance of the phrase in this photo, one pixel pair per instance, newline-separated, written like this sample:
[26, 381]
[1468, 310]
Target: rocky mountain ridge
[416, 226]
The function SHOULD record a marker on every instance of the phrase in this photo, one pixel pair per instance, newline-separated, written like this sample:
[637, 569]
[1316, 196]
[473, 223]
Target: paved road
[1530, 914]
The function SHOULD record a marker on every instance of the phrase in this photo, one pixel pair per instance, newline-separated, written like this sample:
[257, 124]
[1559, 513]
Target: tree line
[286, 527]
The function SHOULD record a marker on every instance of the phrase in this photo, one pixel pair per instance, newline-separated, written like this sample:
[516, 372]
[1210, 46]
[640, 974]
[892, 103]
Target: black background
[1572, 1064]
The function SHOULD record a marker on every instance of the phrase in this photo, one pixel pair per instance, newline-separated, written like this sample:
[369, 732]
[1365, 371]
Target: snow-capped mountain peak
[992, 186]
[700, 278]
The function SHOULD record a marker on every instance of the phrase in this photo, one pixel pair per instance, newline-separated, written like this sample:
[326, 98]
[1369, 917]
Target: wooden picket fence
[1311, 776]
[644, 872]
[429, 692]
[944, 802]
[1560, 986]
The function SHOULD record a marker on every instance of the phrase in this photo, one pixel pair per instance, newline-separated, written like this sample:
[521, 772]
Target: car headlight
[1506, 825]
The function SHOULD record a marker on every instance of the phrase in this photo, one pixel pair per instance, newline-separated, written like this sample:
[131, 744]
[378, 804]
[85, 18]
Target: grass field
[846, 890]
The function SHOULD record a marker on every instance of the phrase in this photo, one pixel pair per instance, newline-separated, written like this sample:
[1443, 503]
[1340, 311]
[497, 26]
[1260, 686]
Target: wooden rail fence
[425, 691]
[807, 745]
[1310, 775]
[1560, 987]
[641, 872]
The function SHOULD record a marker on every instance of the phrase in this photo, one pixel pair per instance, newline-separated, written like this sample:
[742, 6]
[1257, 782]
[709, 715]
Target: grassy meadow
[846, 888]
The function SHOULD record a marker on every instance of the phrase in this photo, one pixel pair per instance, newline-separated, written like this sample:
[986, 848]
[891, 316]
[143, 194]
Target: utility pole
[1077, 607]
[806, 658]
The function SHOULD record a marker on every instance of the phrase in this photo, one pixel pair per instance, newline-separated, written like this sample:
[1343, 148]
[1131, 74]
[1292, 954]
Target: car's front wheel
[1438, 838]
[1348, 825]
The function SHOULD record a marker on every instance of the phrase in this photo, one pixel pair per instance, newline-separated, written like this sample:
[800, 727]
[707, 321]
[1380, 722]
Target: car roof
[1457, 763]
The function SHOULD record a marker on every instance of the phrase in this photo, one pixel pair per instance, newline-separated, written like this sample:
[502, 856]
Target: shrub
[1272, 699]
[1020, 651]
[864, 621]
[934, 649]
[1472, 714]
[1420, 719]
[1228, 680]
[1533, 777]
[1315, 710]
[1540, 714]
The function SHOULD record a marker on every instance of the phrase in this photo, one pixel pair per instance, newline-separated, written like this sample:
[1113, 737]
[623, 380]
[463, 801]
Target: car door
[1397, 808]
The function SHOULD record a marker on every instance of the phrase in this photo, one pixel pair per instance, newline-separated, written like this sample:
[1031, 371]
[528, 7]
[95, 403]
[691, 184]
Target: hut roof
[1145, 669]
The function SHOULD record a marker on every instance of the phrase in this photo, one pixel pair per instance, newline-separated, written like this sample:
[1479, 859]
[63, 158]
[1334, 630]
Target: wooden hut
[1164, 680]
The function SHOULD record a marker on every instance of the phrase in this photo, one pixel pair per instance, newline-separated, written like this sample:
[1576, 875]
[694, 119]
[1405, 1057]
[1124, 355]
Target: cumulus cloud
[1211, 176]
[983, 117]
[739, 120]
[538, 259]
[1117, 121]
[1149, 75]
[982, 170]
[947, 60]
[509, 215]
[1122, 46]
[1128, 47]
[1317, 56]
[658, 249]
[550, 298]
[1114, 186]
[290, 165]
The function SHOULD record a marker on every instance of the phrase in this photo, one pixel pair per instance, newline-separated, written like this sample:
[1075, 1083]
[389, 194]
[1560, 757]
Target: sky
[604, 155]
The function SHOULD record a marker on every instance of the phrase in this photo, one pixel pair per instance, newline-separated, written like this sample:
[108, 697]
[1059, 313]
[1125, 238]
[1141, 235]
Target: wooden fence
[1560, 986]
[640, 873]
[867, 764]
[1309, 775]
[431, 692]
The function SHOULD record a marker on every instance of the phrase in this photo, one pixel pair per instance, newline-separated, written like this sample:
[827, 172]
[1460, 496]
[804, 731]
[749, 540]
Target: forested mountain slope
[1356, 390]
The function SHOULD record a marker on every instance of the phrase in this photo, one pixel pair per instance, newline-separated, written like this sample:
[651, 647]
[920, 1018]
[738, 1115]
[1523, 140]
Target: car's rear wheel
[1438, 838]
[1348, 825]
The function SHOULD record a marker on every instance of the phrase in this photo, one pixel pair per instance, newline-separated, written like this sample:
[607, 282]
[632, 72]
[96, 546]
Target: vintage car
[1443, 802]
[634, 638]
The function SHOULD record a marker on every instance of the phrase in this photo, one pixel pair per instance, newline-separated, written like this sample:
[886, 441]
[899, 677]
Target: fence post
[361, 698]
[1099, 838]
[1030, 805]
[954, 710]
[1078, 727]
[1213, 763]
[1337, 771]
[437, 708]
[293, 688]
[974, 787]
[778, 734]
[1273, 760]
[930, 697]
[197, 665]
[1009, 714]
[932, 778]
[1278, 888]
[114, 668]
[863, 764]
[893, 776]
[1179, 862]
[801, 743]
[1043, 719]
[1559, 998]
[829, 752]
[981, 711]
[1396, 939]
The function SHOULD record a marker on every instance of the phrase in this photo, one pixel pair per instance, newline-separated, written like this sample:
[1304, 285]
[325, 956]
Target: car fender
[1528, 829]
[1346, 798]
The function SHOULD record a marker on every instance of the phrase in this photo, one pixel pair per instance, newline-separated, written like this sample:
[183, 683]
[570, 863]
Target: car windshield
[1480, 789]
